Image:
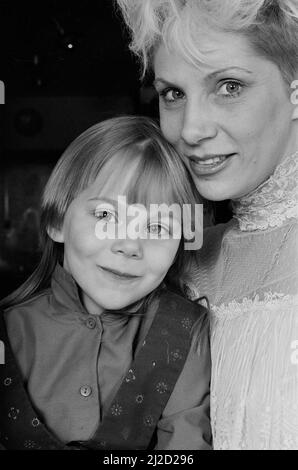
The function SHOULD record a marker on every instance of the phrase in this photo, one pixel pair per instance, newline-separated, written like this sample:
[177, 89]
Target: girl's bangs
[141, 178]
[151, 184]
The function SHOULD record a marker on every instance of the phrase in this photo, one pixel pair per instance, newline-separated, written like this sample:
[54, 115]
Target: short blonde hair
[270, 25]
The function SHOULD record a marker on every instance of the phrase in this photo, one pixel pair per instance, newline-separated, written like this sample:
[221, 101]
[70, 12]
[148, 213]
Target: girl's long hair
[102, 153]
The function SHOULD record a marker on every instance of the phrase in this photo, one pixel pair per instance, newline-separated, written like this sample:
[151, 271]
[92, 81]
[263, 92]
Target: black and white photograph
[148, 228]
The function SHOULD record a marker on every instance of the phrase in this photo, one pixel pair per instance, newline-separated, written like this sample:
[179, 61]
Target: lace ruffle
[255, 374]
[247, 305]
[272, 203]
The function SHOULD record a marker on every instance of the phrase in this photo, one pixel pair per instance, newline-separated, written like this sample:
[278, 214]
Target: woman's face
[230, 119]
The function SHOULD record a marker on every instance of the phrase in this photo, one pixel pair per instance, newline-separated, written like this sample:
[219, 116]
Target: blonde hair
[270, 25]
[103, 153]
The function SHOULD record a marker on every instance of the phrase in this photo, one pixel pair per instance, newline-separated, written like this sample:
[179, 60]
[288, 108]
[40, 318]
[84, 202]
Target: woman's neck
[273, 202]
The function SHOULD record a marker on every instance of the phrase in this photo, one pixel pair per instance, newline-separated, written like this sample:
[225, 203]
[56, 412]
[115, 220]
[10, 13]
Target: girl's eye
[105, 215]
[230, 89]
[171, 95]
[157, 229]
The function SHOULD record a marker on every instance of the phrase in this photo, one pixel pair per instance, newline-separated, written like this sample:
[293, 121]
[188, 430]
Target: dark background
[65, 66]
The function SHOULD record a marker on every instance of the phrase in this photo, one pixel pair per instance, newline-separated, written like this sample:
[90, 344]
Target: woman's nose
[198, 124]
[129, 247]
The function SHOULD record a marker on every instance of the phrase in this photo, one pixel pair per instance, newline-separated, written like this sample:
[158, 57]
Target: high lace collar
[273, 202]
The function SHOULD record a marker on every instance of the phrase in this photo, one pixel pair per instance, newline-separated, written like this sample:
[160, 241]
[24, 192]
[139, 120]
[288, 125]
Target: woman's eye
[230, 89]
[105, 215]
[171, 95]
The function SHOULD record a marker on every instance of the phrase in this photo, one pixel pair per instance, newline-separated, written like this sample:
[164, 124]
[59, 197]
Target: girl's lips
[119, 275]
[209, 165]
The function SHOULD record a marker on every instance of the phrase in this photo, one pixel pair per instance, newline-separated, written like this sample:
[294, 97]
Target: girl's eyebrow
[104, 199]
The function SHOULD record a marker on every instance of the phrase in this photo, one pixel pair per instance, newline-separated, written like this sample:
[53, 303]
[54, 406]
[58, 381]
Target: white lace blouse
[249, 270]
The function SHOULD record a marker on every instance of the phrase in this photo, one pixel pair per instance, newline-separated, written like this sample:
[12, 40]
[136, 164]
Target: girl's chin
[120, 305]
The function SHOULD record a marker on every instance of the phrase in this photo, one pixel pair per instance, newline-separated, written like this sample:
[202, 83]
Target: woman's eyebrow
[227, 69]
[211, 75]
[163, 82]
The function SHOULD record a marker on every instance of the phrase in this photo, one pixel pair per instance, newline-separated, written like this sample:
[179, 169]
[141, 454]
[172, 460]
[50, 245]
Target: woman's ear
[55, 234]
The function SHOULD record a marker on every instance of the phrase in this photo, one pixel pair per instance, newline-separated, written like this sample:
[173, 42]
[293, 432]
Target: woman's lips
[122, 276]
[210, 164]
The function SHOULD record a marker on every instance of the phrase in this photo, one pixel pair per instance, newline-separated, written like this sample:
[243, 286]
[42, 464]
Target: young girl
[100, 352]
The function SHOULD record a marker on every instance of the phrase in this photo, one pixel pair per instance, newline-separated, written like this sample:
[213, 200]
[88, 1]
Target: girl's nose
[198, 124]
[128, 247]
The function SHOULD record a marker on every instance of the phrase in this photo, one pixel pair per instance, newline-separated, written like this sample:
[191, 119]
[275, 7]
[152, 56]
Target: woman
[223, 71]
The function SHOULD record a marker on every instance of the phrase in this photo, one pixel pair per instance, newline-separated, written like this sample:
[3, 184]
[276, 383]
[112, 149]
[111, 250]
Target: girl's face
[231, 119]
[113, 273]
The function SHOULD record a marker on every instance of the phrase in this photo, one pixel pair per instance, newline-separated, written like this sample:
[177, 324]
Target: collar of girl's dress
[274, 202]
[67, 299]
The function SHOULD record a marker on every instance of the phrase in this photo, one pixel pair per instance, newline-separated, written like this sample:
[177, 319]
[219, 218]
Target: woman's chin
[214, 192]
[224, 187]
